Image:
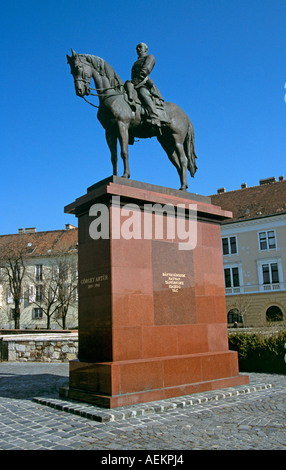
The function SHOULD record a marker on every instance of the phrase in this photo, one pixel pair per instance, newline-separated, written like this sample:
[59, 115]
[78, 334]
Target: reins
[100, 94]
[94, 105]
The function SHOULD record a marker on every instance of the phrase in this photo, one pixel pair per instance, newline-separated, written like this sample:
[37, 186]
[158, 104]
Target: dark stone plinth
[149, 187]
[152, 316]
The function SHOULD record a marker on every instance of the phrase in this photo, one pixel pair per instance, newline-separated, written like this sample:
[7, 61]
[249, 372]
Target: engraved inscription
[94, 282]
[174, 281]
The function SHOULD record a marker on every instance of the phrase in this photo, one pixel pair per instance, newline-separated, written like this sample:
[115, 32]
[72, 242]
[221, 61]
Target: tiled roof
[253, 202]
[42, 243]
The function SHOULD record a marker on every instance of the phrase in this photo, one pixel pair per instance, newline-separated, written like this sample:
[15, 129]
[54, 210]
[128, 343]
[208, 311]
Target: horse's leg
[176, 156]
[183, 164]
[111, 140]
[124, 139]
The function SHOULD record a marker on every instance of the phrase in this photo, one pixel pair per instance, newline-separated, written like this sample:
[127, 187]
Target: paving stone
[34, 417]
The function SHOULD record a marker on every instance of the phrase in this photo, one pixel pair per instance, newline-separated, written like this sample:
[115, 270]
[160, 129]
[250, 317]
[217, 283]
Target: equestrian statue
[135, 109]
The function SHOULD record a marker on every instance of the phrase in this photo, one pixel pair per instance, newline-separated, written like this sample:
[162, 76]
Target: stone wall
[62, 347]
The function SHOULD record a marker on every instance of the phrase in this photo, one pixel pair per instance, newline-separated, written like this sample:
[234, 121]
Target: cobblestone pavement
[33, 417]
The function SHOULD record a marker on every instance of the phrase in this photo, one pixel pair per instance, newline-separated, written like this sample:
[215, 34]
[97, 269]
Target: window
[10, 298]
[64, 272]
[55, 272]
[274, 313]
[231, 277]
[234, 316]
[32, 294]
[267, 240]
[38, 272]
[39, 293]
[37, 313]
[270, 274]
[52, 294]
[11, 314]
[229, 246]
[75, 293]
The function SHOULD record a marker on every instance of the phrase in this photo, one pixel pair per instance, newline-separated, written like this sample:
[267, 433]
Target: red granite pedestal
[152, 315]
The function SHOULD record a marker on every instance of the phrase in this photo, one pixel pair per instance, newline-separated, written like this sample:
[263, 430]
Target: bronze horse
[123, 122]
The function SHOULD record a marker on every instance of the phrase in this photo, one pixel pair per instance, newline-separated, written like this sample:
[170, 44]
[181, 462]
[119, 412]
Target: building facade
[43, 267]
[254, 253]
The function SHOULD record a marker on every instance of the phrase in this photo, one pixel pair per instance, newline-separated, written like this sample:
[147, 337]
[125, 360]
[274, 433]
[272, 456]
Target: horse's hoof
[126, 175]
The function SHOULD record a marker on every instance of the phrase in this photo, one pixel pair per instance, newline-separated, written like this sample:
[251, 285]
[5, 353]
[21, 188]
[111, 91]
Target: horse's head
[81, 71]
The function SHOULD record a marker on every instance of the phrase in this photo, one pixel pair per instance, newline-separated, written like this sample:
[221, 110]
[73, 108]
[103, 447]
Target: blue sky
[222, 61]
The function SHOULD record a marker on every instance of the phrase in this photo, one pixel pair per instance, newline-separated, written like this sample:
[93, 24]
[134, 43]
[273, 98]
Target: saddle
[141, 112]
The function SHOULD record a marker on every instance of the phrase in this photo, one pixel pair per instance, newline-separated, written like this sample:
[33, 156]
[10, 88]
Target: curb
[103, 416]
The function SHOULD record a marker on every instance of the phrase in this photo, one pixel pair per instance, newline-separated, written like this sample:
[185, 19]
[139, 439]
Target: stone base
[126, 383]
[152, 316]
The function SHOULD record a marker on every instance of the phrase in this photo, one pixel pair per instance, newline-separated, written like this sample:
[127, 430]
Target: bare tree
[13, 268]
[44, 294]
[55, 290]
[242, 303]
[67, 287]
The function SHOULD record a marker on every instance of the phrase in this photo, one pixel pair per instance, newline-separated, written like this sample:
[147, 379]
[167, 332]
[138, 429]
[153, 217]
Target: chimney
[267, 180]
[243, 186]
[30, 230]
[221, 190]
[21, 230]
[281, 178]
[70, 227]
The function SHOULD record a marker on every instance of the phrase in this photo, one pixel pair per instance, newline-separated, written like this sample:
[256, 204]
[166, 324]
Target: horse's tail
[189, 147]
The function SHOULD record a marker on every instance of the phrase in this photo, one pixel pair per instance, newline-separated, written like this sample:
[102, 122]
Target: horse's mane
[104, 69]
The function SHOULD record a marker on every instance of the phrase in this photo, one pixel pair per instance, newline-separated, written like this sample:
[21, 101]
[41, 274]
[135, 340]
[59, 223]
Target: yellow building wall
[254, 306]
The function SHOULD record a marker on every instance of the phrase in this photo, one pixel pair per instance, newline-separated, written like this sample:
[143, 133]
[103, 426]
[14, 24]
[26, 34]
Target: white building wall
[27, 318]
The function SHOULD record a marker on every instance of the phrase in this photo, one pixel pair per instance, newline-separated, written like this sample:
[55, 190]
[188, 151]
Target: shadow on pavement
[27, 386]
